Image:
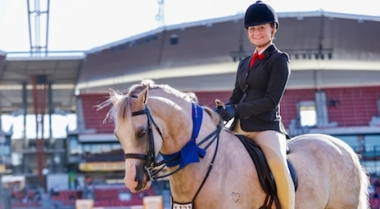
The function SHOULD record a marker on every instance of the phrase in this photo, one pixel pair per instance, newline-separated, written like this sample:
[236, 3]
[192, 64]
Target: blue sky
[86, 24]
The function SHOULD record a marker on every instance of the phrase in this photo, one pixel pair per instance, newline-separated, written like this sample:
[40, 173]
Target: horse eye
[141, 134]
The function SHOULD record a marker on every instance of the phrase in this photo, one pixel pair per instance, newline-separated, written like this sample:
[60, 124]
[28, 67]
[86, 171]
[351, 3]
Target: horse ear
[113, 96]
[143, 96]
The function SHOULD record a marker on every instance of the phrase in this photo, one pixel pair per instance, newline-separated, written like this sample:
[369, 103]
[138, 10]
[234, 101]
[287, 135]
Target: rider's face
[260, 35]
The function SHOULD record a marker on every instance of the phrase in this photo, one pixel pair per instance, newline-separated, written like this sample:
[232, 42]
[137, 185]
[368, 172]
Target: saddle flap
[266, 178]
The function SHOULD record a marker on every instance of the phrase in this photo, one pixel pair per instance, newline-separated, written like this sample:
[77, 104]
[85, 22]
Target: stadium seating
[375, 203]
[24, 199]
[67, 197]
[111, 197]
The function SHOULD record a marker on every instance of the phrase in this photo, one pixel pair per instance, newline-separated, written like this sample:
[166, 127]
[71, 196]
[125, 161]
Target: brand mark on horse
[235, 196]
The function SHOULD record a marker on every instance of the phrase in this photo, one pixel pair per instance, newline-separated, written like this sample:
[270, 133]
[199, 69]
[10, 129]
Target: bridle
[150, 156]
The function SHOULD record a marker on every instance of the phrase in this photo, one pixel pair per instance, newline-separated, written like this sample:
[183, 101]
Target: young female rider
[260, 84]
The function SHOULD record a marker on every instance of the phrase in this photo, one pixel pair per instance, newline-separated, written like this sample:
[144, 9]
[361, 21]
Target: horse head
[132, 131]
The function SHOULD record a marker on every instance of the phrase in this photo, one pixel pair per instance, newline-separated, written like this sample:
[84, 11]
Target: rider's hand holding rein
[226, 113]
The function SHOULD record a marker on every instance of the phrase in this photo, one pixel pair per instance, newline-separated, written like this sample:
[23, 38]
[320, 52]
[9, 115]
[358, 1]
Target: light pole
[5, 197]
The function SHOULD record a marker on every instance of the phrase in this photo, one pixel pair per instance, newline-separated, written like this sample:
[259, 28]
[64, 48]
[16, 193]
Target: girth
[265, 176]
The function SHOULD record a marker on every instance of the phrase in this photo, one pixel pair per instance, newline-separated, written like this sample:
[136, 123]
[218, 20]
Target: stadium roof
[61, 72]
[326, 49]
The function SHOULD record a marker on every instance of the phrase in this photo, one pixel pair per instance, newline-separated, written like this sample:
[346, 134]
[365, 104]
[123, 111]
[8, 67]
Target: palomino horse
[209, 167]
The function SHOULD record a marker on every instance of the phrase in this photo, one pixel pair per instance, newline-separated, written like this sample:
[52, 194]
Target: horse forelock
[119, 102]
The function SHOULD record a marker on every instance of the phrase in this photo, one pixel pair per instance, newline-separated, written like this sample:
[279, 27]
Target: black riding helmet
[260, 13]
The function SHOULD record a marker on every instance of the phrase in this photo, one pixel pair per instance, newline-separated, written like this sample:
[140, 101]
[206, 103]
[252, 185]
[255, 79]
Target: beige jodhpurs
[273, 145]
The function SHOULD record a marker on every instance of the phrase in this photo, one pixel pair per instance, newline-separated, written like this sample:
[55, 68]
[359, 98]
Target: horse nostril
[139, 178]
[140, 185]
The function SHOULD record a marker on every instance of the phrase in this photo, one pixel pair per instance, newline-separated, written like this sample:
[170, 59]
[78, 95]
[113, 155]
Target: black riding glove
[226, 113]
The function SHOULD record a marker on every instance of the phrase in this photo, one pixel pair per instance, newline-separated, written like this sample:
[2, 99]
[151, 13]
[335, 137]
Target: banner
[153, 202]
[84, 204]
[102, 166]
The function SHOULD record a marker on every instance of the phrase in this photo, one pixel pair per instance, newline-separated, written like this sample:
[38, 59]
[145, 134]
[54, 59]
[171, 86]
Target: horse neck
[175, 116]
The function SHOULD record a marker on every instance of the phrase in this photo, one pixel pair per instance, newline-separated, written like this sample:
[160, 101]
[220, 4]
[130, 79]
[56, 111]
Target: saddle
[266, 178]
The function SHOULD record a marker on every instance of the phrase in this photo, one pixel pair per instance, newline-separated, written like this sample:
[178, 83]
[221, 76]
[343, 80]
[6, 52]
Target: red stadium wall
[288, 104]
[290, 100]
[353, 106]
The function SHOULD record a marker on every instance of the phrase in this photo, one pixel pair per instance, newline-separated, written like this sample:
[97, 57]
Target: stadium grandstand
[334, 88]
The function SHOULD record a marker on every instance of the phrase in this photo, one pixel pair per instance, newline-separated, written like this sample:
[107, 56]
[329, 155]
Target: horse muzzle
[136, 179]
